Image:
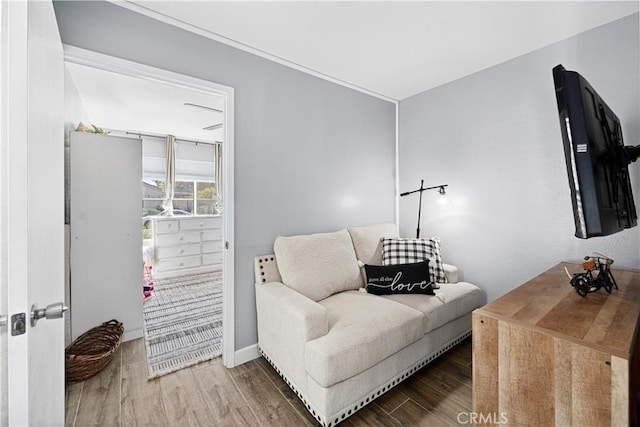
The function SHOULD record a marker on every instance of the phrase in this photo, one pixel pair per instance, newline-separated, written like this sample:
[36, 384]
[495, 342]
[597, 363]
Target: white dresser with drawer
[187, 245]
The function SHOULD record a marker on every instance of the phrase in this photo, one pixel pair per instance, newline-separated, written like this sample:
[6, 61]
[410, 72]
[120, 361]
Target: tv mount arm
[631, 153]
[628, 153]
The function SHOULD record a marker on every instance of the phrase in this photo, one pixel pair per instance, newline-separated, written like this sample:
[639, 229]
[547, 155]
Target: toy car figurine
[585, 283]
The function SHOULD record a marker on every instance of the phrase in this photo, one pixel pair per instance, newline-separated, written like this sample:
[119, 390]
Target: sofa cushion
[318, 265]
[450, 302]
[363, 330]
[367, 243]
[403, 250]
[413, 278]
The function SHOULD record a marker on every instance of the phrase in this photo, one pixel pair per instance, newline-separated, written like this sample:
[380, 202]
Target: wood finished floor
[253, 394]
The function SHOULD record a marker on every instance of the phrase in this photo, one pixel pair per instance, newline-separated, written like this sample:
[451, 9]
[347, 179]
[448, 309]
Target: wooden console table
[545, 356]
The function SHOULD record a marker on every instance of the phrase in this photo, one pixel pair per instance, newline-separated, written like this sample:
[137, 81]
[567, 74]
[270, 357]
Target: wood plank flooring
[253, 394]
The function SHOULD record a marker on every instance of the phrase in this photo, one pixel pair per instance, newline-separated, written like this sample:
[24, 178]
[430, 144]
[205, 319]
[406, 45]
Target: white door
[32, 212]
[106, 232]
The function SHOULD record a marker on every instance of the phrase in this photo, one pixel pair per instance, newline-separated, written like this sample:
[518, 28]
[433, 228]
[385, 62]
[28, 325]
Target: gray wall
[494, 137]
[310, 156]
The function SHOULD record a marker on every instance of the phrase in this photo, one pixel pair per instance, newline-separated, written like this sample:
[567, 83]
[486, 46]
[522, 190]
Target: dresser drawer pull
[181, 251]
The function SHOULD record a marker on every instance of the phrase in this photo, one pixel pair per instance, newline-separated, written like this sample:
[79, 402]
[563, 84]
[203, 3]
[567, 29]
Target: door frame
[132, 69]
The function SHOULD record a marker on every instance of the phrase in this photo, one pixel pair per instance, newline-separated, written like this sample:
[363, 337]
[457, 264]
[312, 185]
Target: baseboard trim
[246, 354]
[132, 335]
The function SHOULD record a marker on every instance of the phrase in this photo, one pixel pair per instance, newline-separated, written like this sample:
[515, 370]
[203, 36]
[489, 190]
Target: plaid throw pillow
[403, 251]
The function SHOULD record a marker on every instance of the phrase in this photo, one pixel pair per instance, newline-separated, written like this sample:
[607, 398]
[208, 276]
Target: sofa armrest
[287, 320]
[451, 272]
[297, 314]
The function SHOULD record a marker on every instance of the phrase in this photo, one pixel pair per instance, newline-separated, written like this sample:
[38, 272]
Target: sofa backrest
[367, 243]
[318, 265]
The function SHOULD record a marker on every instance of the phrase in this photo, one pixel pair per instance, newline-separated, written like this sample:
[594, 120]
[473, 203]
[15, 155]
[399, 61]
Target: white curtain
[170, 180]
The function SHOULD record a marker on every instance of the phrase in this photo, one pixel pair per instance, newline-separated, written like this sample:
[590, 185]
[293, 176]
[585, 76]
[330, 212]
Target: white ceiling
[116, 101]
[393, 49]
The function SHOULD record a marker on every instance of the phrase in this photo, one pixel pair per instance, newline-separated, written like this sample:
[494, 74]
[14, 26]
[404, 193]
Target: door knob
[52, 311]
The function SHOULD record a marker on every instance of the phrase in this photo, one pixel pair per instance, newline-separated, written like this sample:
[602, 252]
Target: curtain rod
[193, 141]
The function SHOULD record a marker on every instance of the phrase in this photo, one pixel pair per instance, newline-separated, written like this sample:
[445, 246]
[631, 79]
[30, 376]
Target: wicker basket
[92, 351]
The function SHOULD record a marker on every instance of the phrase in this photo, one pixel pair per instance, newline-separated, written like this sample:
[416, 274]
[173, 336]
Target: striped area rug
[183, 322]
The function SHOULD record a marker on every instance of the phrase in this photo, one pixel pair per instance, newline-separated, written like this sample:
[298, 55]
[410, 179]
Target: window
[195, 191]
[206, 198]
[187, 202]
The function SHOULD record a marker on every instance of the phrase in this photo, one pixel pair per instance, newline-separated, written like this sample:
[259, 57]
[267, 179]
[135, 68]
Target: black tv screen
[596, 157]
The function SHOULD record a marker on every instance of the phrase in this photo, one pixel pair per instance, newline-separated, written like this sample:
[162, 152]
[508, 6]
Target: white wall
[310, 156]
[74, 112]
[494, 137]
[74, 109]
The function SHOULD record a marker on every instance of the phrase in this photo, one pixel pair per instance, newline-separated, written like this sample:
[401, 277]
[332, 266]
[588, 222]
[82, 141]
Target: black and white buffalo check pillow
[398, 250]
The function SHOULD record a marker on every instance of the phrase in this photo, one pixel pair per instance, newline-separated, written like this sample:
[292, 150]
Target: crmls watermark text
[490, 418]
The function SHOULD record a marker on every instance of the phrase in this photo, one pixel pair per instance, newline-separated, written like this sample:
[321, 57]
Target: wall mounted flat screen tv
[596, 157]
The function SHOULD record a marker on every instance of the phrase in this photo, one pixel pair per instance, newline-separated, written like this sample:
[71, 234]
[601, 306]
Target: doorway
[220, 132]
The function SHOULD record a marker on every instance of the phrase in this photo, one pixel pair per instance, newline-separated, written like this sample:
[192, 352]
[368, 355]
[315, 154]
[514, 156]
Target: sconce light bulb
[443, 199]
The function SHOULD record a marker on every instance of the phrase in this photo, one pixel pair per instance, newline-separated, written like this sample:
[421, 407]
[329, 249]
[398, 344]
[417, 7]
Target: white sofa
[337, 347]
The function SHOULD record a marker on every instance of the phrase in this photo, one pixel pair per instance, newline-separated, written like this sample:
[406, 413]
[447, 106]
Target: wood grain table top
[549, 303]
